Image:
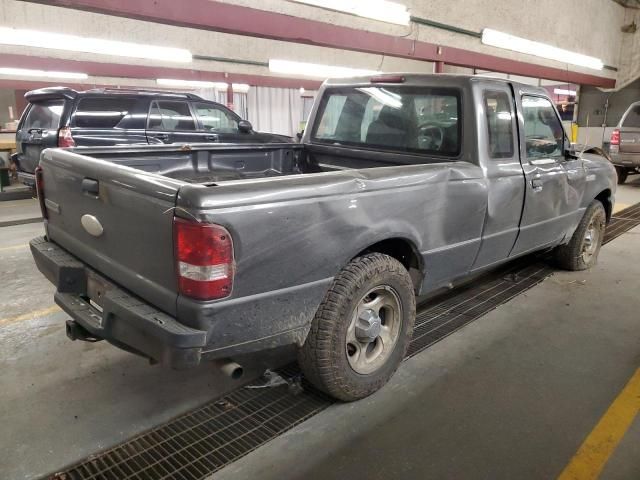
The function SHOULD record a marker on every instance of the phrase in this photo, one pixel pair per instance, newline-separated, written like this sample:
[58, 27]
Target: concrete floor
[511, 395]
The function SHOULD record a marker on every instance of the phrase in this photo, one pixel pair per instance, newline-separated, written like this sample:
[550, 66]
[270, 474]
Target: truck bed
[204, 163]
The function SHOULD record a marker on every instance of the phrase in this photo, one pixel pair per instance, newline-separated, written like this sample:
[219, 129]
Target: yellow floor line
[619, 206]
[14, 247]
[597, 448]
[29, 316]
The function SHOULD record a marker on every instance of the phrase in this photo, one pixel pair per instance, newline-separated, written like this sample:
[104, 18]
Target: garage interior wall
[218, 54]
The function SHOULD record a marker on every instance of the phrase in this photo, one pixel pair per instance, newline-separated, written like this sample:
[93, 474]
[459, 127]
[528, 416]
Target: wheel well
[605, 198]
[405, 252]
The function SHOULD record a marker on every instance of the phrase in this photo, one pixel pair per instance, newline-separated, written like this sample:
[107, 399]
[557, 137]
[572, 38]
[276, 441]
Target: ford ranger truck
[402, 184]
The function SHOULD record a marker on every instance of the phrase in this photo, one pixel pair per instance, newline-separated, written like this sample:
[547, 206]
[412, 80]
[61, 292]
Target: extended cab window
[168, 115]
[544, 135]
[102, 112]
[44, 115]
[632, 119]
[498, 110]
[404, 119]
[216, 119]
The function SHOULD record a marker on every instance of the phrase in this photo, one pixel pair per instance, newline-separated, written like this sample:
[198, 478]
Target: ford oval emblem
[92, 225]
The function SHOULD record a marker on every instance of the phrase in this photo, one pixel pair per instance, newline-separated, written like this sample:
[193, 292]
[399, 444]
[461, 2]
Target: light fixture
[240, 87]
[382, 10]
[74, 43]
[522, 45]
[174, 82]
[27, 72]
[562, 91]
[315, 70]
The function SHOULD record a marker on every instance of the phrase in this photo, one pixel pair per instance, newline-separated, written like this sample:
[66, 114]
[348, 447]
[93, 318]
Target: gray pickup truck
[402, 184]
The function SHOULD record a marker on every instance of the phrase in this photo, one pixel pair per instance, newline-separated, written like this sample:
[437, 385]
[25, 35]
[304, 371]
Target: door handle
[89, 185]
[162, 136]
[212, 138]
[536, 183]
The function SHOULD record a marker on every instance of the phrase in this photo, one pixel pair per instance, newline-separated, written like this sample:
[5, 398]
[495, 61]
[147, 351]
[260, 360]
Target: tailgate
[629, 140]
[133, 209]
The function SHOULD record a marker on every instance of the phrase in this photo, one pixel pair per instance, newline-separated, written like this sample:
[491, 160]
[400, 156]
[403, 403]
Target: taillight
[40, 190]
[65, 139]
[615, 137]
[204, 256]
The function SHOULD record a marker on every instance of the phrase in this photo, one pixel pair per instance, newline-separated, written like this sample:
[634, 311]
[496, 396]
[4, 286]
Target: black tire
[323, 357]
[572, 255]
[622, 175]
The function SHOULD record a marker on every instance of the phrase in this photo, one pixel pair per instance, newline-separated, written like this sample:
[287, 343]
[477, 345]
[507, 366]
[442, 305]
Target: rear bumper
[125, 320]
[631, 160]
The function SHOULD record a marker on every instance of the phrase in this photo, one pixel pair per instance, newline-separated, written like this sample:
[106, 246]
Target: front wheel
[582, 250]
[362, 329]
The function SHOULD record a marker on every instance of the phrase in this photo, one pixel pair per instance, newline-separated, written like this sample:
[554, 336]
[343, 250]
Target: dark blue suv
[62, 117]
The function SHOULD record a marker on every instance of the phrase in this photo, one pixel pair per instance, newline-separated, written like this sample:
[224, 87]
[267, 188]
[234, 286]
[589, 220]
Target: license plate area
[96, 289]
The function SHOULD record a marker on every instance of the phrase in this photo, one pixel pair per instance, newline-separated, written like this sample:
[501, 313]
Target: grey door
[551, 199]
[172, 121]
[499, 152]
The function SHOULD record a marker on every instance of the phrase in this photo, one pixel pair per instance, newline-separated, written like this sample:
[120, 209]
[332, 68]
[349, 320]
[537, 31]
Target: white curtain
[220, 96]
[276, 110]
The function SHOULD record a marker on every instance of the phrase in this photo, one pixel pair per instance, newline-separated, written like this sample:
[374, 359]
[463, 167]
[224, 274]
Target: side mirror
[245, 126]
[299, 135]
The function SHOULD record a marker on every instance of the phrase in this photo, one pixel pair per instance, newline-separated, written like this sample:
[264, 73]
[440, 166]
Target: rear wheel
[622, 175]
[362, 329]
[582, 250]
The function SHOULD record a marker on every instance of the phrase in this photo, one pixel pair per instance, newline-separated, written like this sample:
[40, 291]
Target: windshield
[404, 119]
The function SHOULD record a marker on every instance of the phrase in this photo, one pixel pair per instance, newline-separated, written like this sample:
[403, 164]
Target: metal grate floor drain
[202, 441]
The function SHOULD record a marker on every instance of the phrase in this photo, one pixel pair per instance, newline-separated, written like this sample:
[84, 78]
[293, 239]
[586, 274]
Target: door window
[544, 135]
[216, 119]
[44, 115]
[102, 112]
[168, 115]
[499, 124]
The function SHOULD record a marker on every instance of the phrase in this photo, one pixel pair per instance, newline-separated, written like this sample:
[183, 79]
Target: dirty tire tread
[321, 355]
[569, 256]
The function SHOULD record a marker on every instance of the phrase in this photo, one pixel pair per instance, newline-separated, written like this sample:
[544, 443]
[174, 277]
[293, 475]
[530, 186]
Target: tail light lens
[204, 256]
[615, 137]
[65, 139]
[40, 190]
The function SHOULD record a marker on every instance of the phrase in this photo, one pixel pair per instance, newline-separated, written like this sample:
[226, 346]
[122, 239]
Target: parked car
[624, 148]
[402, 185]
[62, 117]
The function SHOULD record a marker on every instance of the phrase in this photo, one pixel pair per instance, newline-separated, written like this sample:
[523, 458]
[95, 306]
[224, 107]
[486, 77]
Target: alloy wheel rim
[591, 240]
[374, 330]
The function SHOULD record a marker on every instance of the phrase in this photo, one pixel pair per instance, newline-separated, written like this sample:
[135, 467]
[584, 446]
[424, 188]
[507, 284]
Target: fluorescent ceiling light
[562, 91]
[522, 45]
[315, 70]
[27, 72]
[74, 43]
[381, 10]
[174, 82]
[240, 87]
